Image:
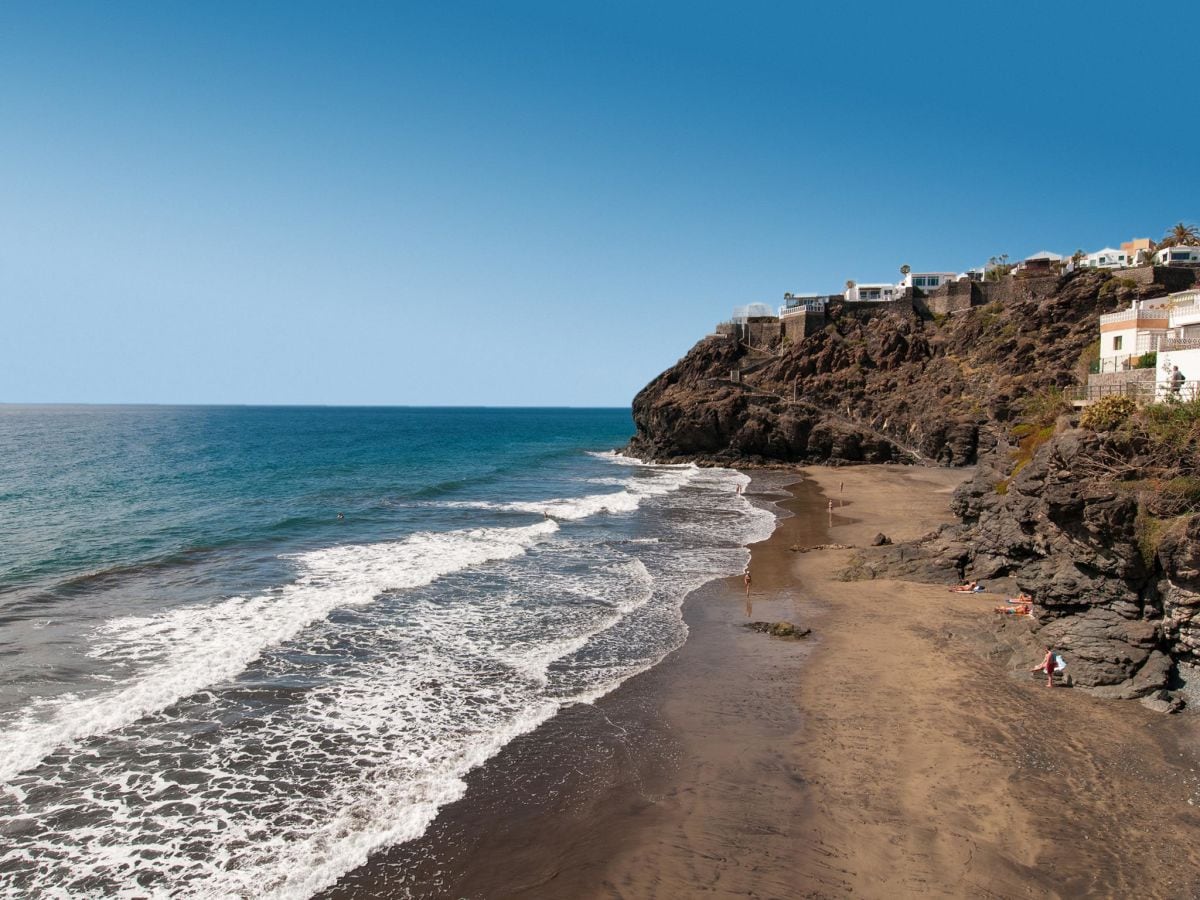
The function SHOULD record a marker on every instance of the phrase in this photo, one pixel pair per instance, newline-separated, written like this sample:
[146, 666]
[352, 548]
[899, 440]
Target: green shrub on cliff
[1108, 413]
[1030, 438]
[1116, 286]
[1149, 533]
[1044, 407]
[1089, 361]
[1173, 426]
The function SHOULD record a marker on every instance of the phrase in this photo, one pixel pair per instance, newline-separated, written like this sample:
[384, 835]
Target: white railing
[1185, 308]
[1175, 343]
[806, 306]
[1150, 313]
[1187, 390]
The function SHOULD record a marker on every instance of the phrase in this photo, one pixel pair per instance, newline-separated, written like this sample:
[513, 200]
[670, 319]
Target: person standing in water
[1047, 665]
[746, 579]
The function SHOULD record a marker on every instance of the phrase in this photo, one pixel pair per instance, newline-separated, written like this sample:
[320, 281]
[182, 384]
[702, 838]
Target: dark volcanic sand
[547, 815]
[897, 752]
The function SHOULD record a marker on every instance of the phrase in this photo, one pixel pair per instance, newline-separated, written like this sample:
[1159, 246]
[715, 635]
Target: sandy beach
[898, 751]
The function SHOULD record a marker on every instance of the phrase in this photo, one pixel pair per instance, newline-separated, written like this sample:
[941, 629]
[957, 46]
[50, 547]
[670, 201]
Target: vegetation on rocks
[1108, 412]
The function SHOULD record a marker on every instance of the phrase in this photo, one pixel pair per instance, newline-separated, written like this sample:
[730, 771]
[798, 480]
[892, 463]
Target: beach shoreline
[895, 752]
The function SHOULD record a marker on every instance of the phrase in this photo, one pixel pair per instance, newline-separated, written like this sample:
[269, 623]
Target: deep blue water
[83, 489]
[212, 685]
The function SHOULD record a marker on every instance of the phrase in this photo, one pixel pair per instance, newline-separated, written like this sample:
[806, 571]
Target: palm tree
[905, 269]
[1077, 258]
[1181, 235]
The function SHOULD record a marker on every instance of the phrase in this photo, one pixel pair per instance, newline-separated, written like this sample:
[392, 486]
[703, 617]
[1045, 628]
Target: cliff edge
[880, 384]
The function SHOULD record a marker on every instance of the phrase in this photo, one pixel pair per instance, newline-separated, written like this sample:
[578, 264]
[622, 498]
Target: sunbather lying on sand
[969, 588]
[1021, 609]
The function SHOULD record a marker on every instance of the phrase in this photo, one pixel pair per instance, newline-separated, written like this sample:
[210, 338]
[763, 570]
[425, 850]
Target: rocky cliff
[1097, 518]
[885, 386]
[1101, 528]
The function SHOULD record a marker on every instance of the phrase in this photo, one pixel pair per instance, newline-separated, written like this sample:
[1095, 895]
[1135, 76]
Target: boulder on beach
[780, 629]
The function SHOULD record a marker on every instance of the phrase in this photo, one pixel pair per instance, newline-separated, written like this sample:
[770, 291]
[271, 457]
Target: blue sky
[533, 203]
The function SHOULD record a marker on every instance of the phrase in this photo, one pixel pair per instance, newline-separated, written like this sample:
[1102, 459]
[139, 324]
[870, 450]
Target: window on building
[1117, 343]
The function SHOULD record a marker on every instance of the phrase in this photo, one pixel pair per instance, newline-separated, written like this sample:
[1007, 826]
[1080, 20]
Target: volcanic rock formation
[879, 386]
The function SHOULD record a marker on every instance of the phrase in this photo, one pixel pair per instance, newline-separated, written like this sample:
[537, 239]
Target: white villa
[1177, 256]
[1108, 258]
[926, 281]
[1126, 335]
[860, 292]
[1181, 347]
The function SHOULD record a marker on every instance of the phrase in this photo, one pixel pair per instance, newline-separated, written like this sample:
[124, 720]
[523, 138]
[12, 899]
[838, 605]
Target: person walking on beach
[1047, 665]
[746, 579]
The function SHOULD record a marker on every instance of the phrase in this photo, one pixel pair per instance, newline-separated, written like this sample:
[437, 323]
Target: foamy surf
[635, 491]
[192, 648]
[344, 727]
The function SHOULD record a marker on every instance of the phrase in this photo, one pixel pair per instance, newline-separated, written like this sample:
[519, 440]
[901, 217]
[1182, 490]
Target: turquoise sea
[243, 648]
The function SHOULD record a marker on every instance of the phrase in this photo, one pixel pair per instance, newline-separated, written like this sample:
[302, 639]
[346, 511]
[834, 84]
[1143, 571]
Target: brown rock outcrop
[878, 387]
[1122, 611]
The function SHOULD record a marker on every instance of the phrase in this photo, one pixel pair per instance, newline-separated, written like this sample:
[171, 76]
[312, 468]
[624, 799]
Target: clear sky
[519, 203]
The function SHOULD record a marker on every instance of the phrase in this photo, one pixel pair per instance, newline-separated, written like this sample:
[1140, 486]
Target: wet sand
[896, 752]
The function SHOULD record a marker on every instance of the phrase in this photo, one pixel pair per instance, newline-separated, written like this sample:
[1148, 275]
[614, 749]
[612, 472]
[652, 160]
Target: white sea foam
[636, 490]
[187, 649]
[248, 791]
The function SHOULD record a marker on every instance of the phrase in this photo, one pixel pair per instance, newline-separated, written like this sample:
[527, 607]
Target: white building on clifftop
[1181, 346]
[856, 293]
[926, 281]
[1127, 335]
[1177, 256]
[1108, 258]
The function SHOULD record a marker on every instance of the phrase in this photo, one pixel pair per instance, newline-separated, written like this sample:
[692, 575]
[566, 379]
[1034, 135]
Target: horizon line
[134, 403]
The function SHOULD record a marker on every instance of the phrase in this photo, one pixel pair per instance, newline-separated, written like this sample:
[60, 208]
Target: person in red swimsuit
[1047, 665]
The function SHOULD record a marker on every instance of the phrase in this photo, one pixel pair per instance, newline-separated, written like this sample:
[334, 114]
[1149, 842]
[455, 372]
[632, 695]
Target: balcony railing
[1125, 363]
[1171, 343]
[805, 306]
[1143, 391]
[1132, 315]
[1186, 312]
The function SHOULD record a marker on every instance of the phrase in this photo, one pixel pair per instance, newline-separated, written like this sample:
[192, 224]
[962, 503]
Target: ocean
[243, 648]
